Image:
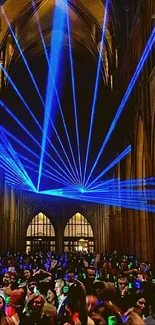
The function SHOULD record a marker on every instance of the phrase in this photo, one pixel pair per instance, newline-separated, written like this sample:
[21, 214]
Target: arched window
[78, 234]
[40, 235]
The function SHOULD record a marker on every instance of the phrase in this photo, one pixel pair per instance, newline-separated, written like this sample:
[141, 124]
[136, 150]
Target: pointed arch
[40, 234]
[40, 226]
[78, 234]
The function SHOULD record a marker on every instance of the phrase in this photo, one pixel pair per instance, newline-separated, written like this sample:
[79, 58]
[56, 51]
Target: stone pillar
[101, 229]
[2, 182]
[118, 232]
[144, 238]
[128, 22]
[111, 230]
[59, 238]
[22, 223]
[1, 72]
[6, 226]
[101, 216]
[19, 235]
[129, 240]
[59, 231]
[106, 227]
[116, 229]
[151, 241]
[12, 219]
[2, 186]
[0, 20]
[136, 233]
[137, 241]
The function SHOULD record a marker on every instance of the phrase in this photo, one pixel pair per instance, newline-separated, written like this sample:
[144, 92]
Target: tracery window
[40, 234]
[78, 234]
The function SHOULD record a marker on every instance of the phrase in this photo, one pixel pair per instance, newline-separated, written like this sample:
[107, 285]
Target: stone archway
[78, 234]
[40, 234]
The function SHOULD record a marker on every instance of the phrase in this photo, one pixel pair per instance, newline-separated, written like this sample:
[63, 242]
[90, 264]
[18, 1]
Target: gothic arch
[40, 234]
[78, 234]
[36, 209]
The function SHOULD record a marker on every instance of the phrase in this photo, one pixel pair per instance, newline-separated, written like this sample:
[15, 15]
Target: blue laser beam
[28, 149]
[137, 205]
[111, 165]
[30, 73]
[122, 184]
[61, 180]
[12, 174]
[15, 158]
[58, 100]
[14, 179]
[96, 88]
[118, 200]
[103, 183]
[22, 55]
[126, 194]
[73, 91]
[33, 116]
[9, 161]
[56, 178]
[32, 137]
[130, 87]
[55, 51]
[11, 167]
[16, 168]
[25, 61]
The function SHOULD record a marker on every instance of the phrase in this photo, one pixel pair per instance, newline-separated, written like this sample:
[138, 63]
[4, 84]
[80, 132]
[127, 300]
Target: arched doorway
[78, 235]
[40, 235]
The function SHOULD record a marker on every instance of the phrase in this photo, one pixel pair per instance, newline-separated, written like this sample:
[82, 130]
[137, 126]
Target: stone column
[1, 72]
[128, 22]
[22, 223]
[59, 236]
[136, 231]
[60, 221]
[100, 228]
[151, 241]
[6, 226]
[101, 216]
[2, 186]
[129, 240]
[12, 219]
[144, 237]
[18, 225]
[2, 182]
[111, 231]
[0, 19]
[106, 227]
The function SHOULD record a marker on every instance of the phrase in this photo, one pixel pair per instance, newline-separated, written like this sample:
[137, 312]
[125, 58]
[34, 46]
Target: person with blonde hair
[34, 313]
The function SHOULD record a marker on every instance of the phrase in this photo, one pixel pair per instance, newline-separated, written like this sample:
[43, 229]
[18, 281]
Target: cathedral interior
[77, 126]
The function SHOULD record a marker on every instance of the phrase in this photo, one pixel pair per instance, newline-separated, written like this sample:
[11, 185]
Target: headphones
[65, 289]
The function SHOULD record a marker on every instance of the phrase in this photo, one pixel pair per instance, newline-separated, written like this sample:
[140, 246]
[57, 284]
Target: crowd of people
[78, 288]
